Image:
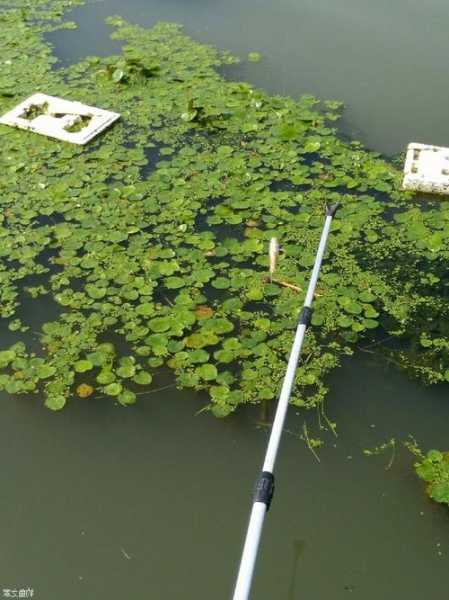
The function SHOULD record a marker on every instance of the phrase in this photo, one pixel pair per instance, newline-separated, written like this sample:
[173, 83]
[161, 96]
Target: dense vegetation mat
[147, 249]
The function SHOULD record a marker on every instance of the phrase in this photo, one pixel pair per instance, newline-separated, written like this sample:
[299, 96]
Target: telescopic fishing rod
[265, 485]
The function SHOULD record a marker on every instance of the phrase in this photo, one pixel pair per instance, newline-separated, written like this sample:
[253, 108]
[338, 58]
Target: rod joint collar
[264, 488]
[305, 317]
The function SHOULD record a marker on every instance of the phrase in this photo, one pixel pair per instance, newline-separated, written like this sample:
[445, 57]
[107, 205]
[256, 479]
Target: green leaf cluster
[150, 244]
[433, 468]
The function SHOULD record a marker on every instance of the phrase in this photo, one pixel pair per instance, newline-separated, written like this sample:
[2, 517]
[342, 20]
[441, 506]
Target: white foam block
[58, 116]
[426, 169]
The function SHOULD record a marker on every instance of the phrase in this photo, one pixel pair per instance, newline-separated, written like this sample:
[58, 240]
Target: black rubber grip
[306, 316]
[264, 488]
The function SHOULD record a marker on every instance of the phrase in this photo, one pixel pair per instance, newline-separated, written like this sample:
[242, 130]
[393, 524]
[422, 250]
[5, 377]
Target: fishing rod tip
[331, 209]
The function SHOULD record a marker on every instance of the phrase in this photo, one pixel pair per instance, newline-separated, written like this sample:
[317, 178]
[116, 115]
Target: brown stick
[293, 287]
[288, 285]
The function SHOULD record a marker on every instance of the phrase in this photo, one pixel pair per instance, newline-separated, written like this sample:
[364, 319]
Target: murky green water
[386, 60]
[102, 502]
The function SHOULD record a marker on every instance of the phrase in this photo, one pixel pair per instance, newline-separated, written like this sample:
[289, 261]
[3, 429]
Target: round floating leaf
[263, 324]
[83, 365]
[224, 356]
[198, 356]
[44, 371]
[146, 309]
[221, 283]
[107, 348]
[353, 308]
[105, 377]
[218, 326]
[255, 294]
[203, 275]
[113, 389]
[174, 283]
[221, 410]
[155, 361]
[55, 402]
[200, 340]
[127, 397]
[98, 358]
[95, 292]
[143, 378]
[344, 321]
[6, 356]
[143, 350]
[232, 343]
[232, 305]
[440, 492]
[207, 372]
[370, 312]
[317, 319]
[126, 371]
[370, 323]
[159, 324]
[344, 300]
[312, 146]
[367, 297]
[266, 393]
[225, 378]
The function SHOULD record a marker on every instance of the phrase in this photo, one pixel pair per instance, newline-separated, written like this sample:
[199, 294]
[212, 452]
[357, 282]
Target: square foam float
[426, 169]
[64, 120]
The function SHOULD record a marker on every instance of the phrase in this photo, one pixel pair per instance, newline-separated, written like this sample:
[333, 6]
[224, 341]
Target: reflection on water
[385, 60]
[298, 549]
[87, 488]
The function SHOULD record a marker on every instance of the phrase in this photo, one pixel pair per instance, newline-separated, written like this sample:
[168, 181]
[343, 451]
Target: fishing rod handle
[249, 555]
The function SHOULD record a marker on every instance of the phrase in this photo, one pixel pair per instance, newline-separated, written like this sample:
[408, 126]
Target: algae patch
[152, 241]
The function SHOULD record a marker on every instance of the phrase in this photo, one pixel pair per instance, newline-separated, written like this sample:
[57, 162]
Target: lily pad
[159, 324]
[127, 397]
[56, 402]
[81, 366]
[221, 283]
[143, 378]
[207, 372]
[113, 389]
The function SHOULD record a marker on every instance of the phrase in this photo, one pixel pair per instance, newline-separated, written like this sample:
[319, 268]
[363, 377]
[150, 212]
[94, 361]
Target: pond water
[385, 60]
[152, 501]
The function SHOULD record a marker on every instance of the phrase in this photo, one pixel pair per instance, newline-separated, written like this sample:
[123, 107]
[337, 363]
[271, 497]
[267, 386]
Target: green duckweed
[149, 246]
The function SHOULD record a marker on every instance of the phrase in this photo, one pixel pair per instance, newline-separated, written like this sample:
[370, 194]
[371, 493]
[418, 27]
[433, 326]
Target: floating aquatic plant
[152, 241]
[433, 468]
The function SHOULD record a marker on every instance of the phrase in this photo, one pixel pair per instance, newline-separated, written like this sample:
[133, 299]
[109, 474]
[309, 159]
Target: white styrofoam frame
[56, 126]
[426, 169]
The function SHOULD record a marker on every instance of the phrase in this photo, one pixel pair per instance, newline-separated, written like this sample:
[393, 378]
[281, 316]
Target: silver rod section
[249, 555]
[281, 411]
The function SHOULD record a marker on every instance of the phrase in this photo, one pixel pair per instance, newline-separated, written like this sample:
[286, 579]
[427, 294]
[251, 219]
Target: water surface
[386, 60]
[87, 488]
